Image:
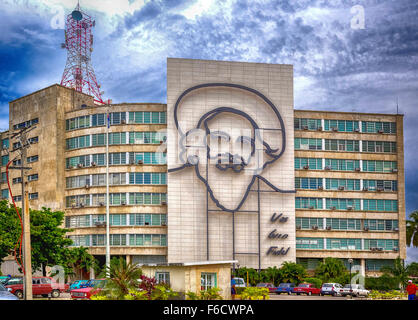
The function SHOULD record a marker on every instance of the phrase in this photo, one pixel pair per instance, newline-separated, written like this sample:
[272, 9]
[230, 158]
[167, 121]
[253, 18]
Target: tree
[330, 268]
[412, 269]
[48, 242]
[123, 277]
[412, 230]
[399, 271]
[78, 259]
[271, 274]
[292, 272]
[253, 276]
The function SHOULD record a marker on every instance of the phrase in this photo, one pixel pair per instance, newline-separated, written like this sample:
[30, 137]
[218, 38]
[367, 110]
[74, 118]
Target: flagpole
[107, 197]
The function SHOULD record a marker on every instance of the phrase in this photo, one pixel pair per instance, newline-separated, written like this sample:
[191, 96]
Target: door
[36, 286]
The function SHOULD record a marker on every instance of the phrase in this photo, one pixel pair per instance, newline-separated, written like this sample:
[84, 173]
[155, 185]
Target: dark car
[5, 294]
[267, 285]
[285, 288]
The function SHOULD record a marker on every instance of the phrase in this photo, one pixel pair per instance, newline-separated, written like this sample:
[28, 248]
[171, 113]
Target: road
[306, 297]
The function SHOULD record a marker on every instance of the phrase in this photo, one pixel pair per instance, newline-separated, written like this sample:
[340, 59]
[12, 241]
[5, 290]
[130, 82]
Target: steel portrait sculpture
[257, 151]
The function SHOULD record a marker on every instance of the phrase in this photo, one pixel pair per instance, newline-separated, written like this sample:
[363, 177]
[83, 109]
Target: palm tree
[399, 271]
[271, 274]
[412, 230]
[292, 272]
[122, 277]
[330, 268]
[81, 259]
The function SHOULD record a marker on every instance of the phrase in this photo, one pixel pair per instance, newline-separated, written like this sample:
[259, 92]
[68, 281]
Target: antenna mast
[78, 72]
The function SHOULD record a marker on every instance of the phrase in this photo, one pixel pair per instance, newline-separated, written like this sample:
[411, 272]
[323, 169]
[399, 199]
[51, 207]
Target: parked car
[268, 285]
[12, 280]
[78, 284]
[333, 289]
[354, 290]
[43, 286]
[240, 283]
[5, 294]
[285, 288]
[4, 279]
[85, 293]
[306, 288]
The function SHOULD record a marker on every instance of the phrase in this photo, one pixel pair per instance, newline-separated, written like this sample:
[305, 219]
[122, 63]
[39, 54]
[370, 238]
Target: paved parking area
[306, 297]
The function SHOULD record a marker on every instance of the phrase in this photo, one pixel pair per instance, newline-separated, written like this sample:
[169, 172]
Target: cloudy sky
[337, 67]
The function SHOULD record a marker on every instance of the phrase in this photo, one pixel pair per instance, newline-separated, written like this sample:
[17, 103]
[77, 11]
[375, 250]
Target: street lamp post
[350, 261]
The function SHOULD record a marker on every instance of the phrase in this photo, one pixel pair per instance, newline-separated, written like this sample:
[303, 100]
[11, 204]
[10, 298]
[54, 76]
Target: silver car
[333, 289]
[354, 290]
[5, 294]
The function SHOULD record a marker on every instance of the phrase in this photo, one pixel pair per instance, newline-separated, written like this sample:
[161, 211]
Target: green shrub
[210, 294]
[315, 281]
[255, 293]
[383, 283]
[239, 290]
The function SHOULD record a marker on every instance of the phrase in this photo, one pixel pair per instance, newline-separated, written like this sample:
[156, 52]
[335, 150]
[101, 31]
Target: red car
[42, 286]
[94, 286]
[268, 285]
[306, 288]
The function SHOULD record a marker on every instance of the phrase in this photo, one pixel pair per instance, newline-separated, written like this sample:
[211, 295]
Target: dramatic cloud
[336, 67]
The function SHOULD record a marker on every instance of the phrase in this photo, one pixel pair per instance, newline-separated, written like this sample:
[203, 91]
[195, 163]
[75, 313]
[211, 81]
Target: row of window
[345, 165]
[344, 145]
[97, 120]
[32, 196]
[32, 177]
[132, 219]
[345, 125]
[116, 138]
[371, 264]
[347, 224]
[26, 124]
[146, 240]
[345, 184]
[143, 178]
[117, 158]
[347, 204]
[346, 244]
[132, 198]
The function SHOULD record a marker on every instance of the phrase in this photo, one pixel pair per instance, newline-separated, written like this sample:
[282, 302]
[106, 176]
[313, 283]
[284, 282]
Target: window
[147, 240]
[308, 183]
[26, 124]
[5, 193]
[17, 198]
[5, 160]
[33, 140]
[17, 180]
[33, 177]
[147, 117]
[208, 281]
[118, 219]
[380, 205]
[309, 243]
[117, 138]
[32, 159]
[77, 123]
[308, 163]
[163, 277]
[117, 118]
[98, 139]
[5, 143]
[307, 124]
[343, 224]
[77, 221]
[147, 219]
[148, 157]
[377, 264]
[98, 120]
[342, 184]
[379, 166]
[78, 142]
[378, 127]
[308, 144]
[98, 240]
[147, 178]
[79, 241]
[342, 204]
[118, 239]
[308, 203]
[380, 224]
[379, 146]
[341, 125]
[384, 244]
[309, 223]
[342, 145]
[343, 244]
[380, 185]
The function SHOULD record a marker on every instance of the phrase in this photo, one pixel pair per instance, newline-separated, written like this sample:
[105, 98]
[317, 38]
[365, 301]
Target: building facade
[303, 185]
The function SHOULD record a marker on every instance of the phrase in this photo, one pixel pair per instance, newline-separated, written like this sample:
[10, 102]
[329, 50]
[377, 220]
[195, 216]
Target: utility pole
[27, 256]
[107, 197]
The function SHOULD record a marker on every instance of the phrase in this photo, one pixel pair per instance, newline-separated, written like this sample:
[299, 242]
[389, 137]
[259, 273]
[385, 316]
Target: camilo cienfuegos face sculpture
[229, 149]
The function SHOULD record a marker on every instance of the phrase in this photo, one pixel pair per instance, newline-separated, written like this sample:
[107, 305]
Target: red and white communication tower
[78, 72]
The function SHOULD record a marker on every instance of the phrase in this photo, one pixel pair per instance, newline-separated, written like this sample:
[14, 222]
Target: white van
[240, 283]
